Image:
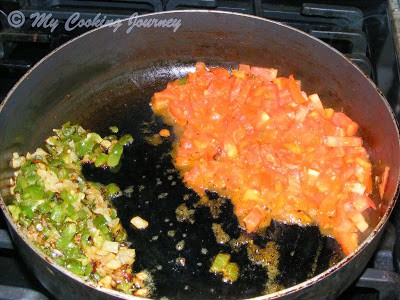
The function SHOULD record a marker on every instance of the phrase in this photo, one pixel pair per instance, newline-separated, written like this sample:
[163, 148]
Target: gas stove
[367, 32]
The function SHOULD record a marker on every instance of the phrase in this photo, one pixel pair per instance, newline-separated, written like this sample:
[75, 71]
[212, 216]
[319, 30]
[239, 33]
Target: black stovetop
[360, 29]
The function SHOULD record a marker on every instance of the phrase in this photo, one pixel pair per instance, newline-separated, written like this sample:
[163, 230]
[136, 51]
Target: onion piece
[139, 223]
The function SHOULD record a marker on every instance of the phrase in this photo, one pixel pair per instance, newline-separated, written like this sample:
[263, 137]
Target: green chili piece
[32, 179]
[73, 252]
[53, 141]
[114, 154]
[15, 211]
[85, 240]
[125, 287]
[114, 129]
[121, 236]
[69, 231]
[25, 221]
[69, 197]
[75, 266]
[28, 168]
[80, 215]
[44, 208]
[27, 211]
[66, 236]
[88, 269]
[67, 129]
[100, 221]
[101, 159]
[20, 184]
[69, 210]
[57, 215]
[84, 146]
[231, 272]
[125, 140]
[35, 192]
[95, 137]
[182, 81]
[63, 244]
[220, 261]
[112, 189]
[98, 241]
[30, 203]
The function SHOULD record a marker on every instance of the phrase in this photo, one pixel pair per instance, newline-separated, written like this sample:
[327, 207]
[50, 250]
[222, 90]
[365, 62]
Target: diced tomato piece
[267, 74]
[220, 72]
[316, 101]
[261, 90]
[362, 202]
[341, 120]
[295, 91]
[352, 129]
[178, 113]
[244, 68]
[281, 83]
[301, 113]
[200, 66]
[329, 113]
[254, 218]
[348, 242]
[239, 74]
[161, 100]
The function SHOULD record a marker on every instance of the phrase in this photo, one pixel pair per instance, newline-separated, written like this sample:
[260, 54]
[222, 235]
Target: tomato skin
[272, 149]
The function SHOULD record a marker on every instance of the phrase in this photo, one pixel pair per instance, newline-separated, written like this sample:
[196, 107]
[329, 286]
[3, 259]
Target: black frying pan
[106, 78]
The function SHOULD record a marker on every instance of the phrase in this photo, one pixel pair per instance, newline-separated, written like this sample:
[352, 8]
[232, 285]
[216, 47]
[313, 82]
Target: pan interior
[153, 190]
[99, 84]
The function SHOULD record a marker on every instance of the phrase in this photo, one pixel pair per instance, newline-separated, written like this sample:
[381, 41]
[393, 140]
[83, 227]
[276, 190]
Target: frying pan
[107, 77]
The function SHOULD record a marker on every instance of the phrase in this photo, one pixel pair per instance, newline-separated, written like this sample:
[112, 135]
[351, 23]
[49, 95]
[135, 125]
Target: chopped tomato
[348, 241]
[276, 152]
[244, 68]
[220, 72]
[295, 91]
[266, 73]
[254, 218]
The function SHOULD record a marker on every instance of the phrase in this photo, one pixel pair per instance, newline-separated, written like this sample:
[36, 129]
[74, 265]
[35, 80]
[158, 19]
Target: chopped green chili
[222, 265]
[69, 218]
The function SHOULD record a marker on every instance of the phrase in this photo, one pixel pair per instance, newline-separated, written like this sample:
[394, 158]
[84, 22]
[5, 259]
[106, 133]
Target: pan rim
[378, 228]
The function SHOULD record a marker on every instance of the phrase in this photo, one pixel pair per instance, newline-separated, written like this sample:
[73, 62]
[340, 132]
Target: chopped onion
[126, 256]
[139, 223]
[110, 246]
[113, 264]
